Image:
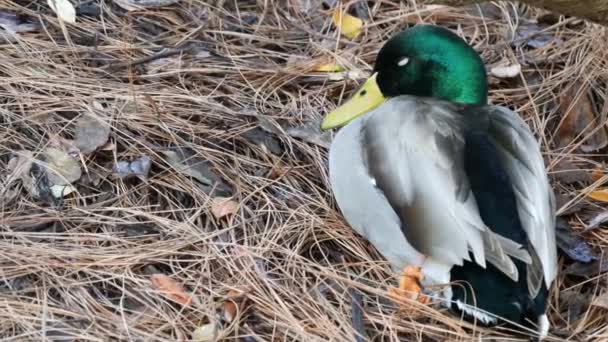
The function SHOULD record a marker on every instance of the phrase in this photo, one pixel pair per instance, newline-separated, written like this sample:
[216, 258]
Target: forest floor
[162, 175]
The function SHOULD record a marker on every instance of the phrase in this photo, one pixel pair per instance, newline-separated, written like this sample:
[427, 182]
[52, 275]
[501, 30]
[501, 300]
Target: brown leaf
[223, 206]
[170, 288]
[91, 133]
[579, 120]
[231, 305]
[597, 174]
[599, 195]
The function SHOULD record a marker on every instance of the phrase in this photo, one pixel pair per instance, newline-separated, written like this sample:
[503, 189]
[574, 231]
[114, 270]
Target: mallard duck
[448, 188]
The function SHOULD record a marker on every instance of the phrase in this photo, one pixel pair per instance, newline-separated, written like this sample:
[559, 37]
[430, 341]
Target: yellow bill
[365, 99]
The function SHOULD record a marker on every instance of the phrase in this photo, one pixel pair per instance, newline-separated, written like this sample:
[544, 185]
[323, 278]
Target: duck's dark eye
[363, 92]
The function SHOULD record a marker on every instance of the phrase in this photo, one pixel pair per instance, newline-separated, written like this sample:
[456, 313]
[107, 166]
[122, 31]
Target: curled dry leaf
[64, 10]
[506, 71]
[206, 333]
[139, 168]
[579, 120]
[91, 133]
[61, 168]
[170, 288]
[222, 206]
[230, 307]
[349, 25]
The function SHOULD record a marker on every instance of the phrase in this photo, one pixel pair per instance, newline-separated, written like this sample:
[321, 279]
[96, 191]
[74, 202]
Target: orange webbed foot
[409, 287]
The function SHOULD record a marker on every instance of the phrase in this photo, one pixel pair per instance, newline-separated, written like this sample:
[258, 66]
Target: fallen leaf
[579, 120]
[133, 5]
[312, 134]
[588, 269]
[599, 195]
[64, 10]
[261, 137]
[11, 24]
[597, 220]
[20, 165]
[61, 168]
[349, 25]
[574, 246]
[230, 308]
[170, 288]
[91, 133]
[568, 173]
[329, 67]
[562, 200]
[532, 35]
[601, 301]
[186, 163]
[139, 168]
[506, 71]
[597, 174]
[205, 333]
[222, 206]
[60, 191]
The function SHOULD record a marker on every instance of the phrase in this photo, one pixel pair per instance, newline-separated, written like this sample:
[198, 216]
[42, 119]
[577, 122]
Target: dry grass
[83, 265]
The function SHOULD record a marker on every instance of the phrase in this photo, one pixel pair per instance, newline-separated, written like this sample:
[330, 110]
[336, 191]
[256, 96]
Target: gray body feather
[398, 176]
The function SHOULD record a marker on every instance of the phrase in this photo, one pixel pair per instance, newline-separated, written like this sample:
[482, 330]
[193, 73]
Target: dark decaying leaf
[568, 173]
[597, 220]
[574, 246]
[11, 24]
[261, 137]
[532, 35]
[573, 303]
[139, 168]
[588, 269]
[562, 200]
[580, 120]
[311, 133]
[185, 162]
[91, 133]
[357, 315]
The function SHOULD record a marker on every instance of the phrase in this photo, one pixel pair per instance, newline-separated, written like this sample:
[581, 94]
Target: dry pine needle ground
[249, 216]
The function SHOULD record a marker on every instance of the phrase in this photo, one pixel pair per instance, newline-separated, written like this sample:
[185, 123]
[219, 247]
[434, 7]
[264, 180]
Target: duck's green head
[426, 61]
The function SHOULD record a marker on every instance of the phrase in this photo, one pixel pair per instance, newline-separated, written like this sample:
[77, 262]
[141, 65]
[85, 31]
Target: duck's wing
[414, 150]
[520, 153]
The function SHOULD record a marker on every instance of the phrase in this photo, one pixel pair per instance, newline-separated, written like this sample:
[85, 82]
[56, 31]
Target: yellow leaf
[350, 26]
[205, 333]
[170, 288]
[222, 206]
[329, 67]
[600, 195]
[64, 10]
